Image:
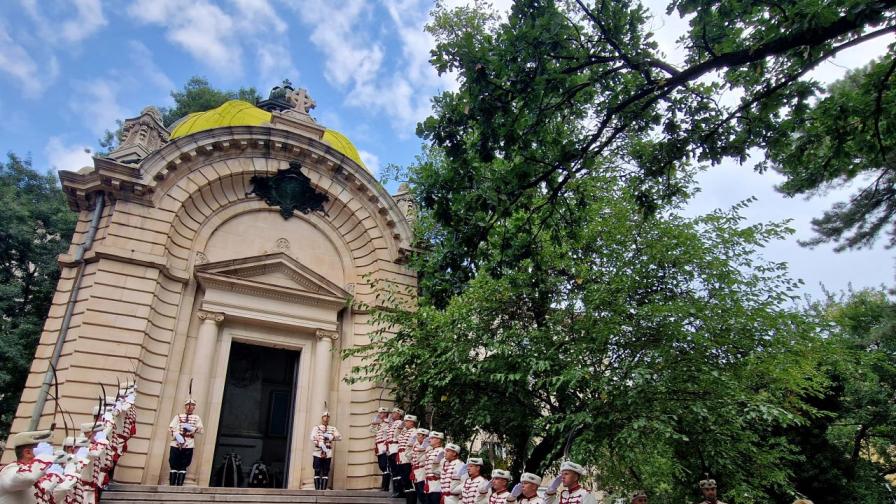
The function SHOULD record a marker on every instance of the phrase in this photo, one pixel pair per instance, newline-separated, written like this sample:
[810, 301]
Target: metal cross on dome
[300, 100]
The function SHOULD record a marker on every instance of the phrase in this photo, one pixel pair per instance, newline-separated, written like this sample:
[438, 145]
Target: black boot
[384, 485]
[181, 476]
[410, 496]
[325, 483]
[172, 478]
[317, 482]
[397, 488]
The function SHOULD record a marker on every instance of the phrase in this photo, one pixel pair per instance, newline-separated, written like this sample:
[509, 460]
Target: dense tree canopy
[564, 301]
[36, 227]
[561, 90]
[661, 345]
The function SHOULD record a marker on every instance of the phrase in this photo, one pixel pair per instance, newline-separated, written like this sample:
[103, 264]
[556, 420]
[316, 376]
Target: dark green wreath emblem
[290, 190]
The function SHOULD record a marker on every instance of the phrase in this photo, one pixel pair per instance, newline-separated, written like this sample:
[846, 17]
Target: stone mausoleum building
[225, 252]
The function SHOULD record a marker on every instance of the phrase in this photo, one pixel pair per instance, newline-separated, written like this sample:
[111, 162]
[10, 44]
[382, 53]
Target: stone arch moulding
[191, 166]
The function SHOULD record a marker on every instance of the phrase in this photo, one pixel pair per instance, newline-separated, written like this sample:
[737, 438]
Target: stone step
[149, 494]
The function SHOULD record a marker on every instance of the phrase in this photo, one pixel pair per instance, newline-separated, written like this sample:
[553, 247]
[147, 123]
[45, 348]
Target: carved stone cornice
[119, 181]
[214, 317]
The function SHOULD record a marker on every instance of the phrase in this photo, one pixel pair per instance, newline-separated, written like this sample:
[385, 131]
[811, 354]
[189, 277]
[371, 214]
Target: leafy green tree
[36, 227]
[565, 89]
[660, 345]
[198, 95]
[845, 448]
[848, 135]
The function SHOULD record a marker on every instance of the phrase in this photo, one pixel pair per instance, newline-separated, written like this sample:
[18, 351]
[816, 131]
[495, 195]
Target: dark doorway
[252, 448]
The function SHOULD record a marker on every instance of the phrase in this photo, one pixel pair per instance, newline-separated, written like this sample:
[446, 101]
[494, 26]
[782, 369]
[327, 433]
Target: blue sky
[69, 68]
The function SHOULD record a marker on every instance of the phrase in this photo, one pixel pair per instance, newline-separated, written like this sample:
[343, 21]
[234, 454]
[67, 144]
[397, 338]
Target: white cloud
[67, 157]
[15, 61]
[354, 46]
[141, 57]
[256, 14]
[96, 102]
[371, 160]
[274, 65]
[89, 19]
[202, 29]
[219, 35]
[57, 23]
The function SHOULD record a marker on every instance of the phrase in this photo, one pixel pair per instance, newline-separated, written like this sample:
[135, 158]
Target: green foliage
[861, 327]
[198, 95]
[36, 227]
[561, 295]
[849, 134]
[661, 342]
[564, 89]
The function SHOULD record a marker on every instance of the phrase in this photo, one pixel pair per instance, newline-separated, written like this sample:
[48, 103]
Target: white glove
[81, 453]
[187, 427]
[555, 484]
[517, 490]
[107, 417]
[440, 457]
[179, 438]
[462, 470]
[100, 436]
[43, 449]
[131, 398]
[426, 443]
[55, 469]
[485, 486]
[328, 436]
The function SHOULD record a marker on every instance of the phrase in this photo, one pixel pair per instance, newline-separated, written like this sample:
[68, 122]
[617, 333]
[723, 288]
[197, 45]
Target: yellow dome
[342, 144]
[240, 113]
[230, 113]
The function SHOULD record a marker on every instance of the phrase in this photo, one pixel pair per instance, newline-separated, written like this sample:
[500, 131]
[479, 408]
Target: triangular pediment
[271, 275]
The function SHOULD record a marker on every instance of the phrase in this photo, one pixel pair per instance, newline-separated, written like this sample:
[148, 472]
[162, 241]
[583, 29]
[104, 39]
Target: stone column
[323, 369]
[201, 374]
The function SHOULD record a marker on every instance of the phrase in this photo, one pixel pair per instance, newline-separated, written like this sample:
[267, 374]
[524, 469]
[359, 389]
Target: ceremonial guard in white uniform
[572, 493]
[418, 462]
[406, 439]
[92, 475]
[433, 465]
[183, 428]
[380, 427]
[322, 437]
[28, 480]
[498, 491]
[393, 432]
[77, 449]
[451, 471]
[472, 488]
[526, 491]
[710, 492]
